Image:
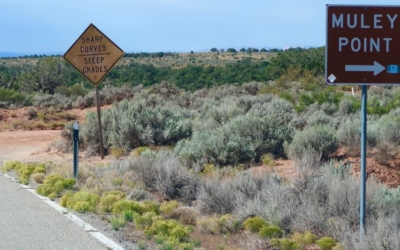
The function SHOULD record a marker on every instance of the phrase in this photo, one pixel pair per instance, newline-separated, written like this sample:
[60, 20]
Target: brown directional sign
[93, 54]
[362, 45]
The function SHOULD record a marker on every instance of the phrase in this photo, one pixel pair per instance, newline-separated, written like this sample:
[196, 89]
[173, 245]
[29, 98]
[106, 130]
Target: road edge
[75, 219]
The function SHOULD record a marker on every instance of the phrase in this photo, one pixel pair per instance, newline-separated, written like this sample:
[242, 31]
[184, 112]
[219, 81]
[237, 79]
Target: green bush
[326, 243]
[304, 239]
[81, 201]
[117, 152]
[123, 205]
[64, 199]
[117, 223]
[348, 134]
[10, 165]
[128, 215]
[241, 140]
[140, 150]
[285, 244]
[217, 225]
[168, 228]
[320, 139]
[132, 124]
[270, 231]
[108, 200]
[254, 224]
[151, 206]
[146, 219]
[53, 185]
[23, 171]
[11, 96]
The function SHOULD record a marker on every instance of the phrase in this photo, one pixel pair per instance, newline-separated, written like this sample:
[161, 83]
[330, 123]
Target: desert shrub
[151, 206]
[31, 113]
[81, 201]
[223, 193]
[217, 225]
[260, 196]
[320, 118]
[54, 184]
[117, 152]
[168, 229]
[123, 205]
[254, 224]
[241, 140]
[144, 166]
[140, 150]
[9, 165]
[117, 222]
[216, 196]
[185, 215]
[328, 108]
[108, 200]
[348, 134]
[168, 207]
[64, 199]
[23, 171]
[285, 244]
[38, 177]
[276, 108]
[389, 126]
[173, 180]
[55, 125]
[348, 106]
[268, 160]
[208, 169]
[270, 231]
[246, 102]
[4, 105]
[39, 125]
[320, 139]
[253, 87]
[304, 239]
[146, 219]
[164, 172]
[133, 124]
[214, 115]
[139, 193]
[10, 96]
[326, 243]
[128, 215]
[57, 101]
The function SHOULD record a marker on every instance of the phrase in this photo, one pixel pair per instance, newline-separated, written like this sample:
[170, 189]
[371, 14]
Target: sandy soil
[27, 145]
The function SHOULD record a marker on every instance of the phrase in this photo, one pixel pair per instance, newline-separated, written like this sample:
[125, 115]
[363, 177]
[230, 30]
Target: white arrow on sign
[376, 68]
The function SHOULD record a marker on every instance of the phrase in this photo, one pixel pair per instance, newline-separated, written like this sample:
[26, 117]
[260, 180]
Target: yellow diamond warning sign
[93, 54]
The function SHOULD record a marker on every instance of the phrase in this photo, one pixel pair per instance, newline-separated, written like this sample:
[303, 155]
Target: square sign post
[93, 54]
[362, 44]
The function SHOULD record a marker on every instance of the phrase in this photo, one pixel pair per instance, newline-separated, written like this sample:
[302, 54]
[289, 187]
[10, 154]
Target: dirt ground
[27, 145]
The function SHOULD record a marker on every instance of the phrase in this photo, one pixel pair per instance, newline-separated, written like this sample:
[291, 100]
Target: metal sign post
[93, 54]
[76, 148]
[363, 172]
[360, 43]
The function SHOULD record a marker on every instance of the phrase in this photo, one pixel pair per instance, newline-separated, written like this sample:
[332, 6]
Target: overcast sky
[51, 26]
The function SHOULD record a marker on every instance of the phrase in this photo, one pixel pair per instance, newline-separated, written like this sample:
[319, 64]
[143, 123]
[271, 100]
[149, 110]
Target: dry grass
[38, 177]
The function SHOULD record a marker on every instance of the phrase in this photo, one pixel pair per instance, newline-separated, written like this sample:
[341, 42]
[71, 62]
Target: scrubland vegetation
[184, 155]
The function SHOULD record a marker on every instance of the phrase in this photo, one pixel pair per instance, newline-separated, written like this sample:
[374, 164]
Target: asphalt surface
[26, 222]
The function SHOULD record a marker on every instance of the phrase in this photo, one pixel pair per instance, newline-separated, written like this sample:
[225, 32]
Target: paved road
[26, 222]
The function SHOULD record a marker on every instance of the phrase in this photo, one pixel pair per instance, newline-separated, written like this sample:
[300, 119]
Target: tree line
[52, 72]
